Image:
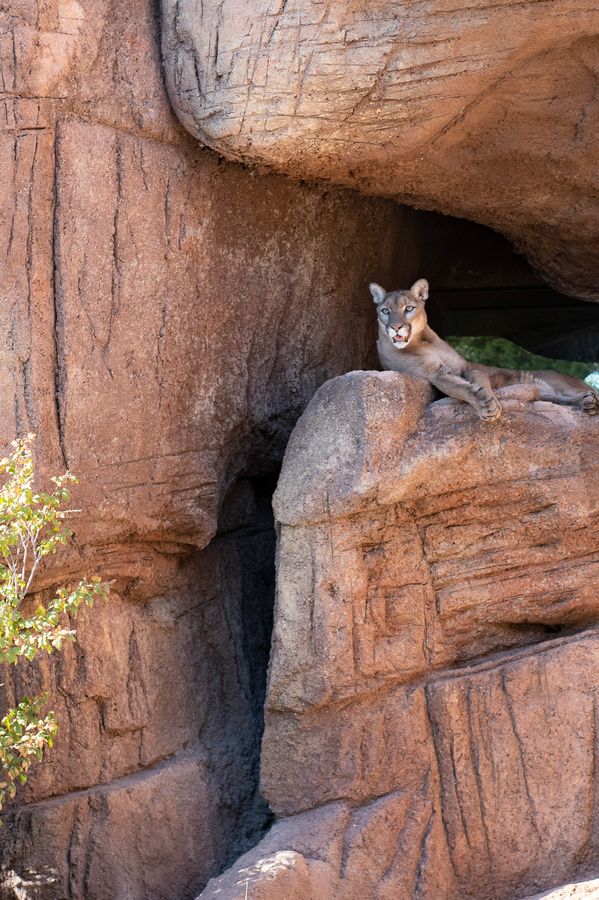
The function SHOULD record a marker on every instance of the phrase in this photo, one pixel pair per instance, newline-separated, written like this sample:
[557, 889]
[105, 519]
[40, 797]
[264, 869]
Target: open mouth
[400, 339]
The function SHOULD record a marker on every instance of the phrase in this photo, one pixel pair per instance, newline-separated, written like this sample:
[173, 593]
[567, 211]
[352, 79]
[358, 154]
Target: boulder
[487, 112]
[433, 685]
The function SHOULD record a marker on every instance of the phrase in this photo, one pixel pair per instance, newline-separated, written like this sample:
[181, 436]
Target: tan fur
[401, 314]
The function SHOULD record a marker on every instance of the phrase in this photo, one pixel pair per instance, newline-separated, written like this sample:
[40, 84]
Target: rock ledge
[432, 701]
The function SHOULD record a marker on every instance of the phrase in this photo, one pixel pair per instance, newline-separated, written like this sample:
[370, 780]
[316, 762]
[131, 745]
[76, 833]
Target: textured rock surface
[433, 686]
[487, 111]
[153, 778]
[165, 317]
[175, 332]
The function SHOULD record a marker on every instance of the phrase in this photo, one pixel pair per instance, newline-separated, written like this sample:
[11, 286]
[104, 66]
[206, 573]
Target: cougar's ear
[420, 289]
[378, 293]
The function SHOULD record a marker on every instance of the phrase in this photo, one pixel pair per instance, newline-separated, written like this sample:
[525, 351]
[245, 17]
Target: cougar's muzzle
[399, 336]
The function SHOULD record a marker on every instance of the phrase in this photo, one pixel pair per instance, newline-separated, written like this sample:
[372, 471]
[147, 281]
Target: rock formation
[165, 318]
[486, 111]
[431, 715]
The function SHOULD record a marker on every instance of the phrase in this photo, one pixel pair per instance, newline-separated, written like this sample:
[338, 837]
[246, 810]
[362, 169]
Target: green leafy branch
[32, 526]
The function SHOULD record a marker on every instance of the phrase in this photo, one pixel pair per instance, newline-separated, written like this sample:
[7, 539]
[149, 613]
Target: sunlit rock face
[489, 112]
[432, 697]
[165, 317]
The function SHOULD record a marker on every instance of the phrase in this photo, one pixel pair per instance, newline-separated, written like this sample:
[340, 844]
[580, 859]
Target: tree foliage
[32, 527]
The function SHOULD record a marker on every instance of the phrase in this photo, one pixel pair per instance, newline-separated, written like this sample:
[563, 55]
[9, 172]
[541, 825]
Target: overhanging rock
[485, 111]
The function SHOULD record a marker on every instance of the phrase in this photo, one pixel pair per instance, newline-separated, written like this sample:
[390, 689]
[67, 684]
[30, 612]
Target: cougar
[407, 344]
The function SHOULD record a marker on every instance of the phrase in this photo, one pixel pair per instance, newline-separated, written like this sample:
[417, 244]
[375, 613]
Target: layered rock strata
[485, 111]
[431, 716]
[165, 318]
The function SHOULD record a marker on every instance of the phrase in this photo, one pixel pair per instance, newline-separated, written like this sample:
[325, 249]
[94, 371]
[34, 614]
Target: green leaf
[31, 528]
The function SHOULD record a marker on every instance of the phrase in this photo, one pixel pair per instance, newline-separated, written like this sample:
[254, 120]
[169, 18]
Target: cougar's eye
[410, 308]
[386, 311]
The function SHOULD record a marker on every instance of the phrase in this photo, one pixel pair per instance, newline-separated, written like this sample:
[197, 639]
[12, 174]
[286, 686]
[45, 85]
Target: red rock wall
[165, 318]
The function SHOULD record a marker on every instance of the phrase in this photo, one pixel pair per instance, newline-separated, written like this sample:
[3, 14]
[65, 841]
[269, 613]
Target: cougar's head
[401, 313]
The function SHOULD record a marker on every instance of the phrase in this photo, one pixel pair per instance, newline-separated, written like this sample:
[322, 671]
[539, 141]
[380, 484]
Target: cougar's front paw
[589, 403]
[488, 405]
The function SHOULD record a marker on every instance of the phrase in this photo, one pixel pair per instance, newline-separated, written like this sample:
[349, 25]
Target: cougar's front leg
[477, 394]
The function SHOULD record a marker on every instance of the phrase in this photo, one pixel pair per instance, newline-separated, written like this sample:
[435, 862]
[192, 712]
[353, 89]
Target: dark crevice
[238, 658]
[540, 629]
[57, 293]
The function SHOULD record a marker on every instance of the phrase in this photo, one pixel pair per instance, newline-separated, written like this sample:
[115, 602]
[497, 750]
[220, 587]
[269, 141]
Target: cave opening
[480, 286]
